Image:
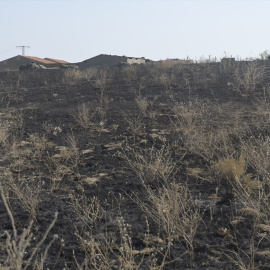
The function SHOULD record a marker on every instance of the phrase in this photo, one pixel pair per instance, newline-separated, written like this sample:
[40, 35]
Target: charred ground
[148, 167]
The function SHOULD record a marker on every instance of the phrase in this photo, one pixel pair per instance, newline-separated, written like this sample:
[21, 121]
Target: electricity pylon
[23, 49]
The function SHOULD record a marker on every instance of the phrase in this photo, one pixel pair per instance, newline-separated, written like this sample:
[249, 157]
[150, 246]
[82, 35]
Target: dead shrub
[189, 118]
[83, 115]
[172, 207]
[135, 126]
[257, 154]
[151, 164]
[72, 76]
[101, 79]
[142, 104]
[248, 75]
[193, 121]
[89, 211]
[129, 73]
[51, 129]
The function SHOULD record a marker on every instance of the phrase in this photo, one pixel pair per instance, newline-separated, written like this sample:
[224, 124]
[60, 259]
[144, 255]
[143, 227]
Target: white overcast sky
[155, 29]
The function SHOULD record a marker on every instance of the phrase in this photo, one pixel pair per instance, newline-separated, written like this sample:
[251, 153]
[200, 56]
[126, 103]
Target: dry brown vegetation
[156, 166]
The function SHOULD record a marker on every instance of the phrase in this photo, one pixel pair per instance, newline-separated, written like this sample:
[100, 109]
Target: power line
[23, 49]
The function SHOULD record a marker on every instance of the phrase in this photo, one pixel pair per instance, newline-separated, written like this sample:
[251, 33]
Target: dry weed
[135, 126]
[142, 104]
[172, 207]
[151, 165]
[4, 132]
[26, 191]
[18, 123]
[28, 154]
[65, 163]
[18, 254]
[83, 115]
[72, 152]
[89, 212]
[248, 75]
[51, 129]
[257, 154]
[112, 250]
[129, 73]
[193, 122]
[190, 117]
[72, 76]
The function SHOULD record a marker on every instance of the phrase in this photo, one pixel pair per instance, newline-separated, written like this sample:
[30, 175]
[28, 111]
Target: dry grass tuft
[231, 168]
[234, 170]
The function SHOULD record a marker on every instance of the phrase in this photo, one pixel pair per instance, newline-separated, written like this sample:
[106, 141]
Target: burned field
[157, 166]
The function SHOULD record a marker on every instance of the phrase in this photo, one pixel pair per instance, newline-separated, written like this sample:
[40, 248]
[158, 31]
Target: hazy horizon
[78, 30]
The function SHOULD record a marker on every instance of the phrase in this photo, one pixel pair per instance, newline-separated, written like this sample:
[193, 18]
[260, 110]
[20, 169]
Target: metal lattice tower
[23, 49]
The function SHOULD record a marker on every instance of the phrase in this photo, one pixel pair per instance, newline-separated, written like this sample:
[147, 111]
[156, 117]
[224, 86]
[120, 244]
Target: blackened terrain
[85, 144]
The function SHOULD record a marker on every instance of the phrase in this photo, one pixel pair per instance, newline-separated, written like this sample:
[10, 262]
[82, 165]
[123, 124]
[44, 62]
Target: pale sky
[155, 29]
